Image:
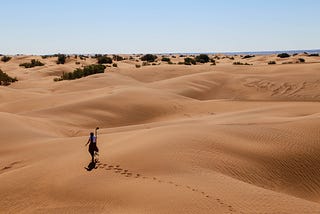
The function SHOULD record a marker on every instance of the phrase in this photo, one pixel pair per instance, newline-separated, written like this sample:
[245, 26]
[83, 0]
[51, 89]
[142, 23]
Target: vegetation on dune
[283, 55]
[104, 59]
[6, 58]
[79, 73]
[115, 65]
[138, 66]
[32, 64]
[149, 58]
[248, 56]
[117, 58]
[272, 63]
[301, 60]
[5, 79]
[145, 64]
[314, 54]
[189, 61]
[240, 63]
[61, 58]
[166, 59]
[202, 58]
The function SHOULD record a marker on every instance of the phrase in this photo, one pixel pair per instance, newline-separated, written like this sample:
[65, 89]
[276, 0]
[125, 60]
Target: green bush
[32, 64]
[145, 64]
[283, 55]
[202, 58]
[5, 79]
[61, 59]
[104, 60]
[117, 58]
[240, 63]
[248, 56]
[6, 58]
[149, 58]
[138, 66]
[272, 63]
[115, 65]
[189, 61]
[301, 60]
[165, 59]
[79, 73]
[314, 54]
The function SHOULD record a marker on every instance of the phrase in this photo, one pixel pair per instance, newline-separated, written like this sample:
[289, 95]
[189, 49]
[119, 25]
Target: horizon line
[172, 53]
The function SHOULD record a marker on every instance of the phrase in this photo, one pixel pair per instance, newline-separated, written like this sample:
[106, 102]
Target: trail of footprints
[125, 172]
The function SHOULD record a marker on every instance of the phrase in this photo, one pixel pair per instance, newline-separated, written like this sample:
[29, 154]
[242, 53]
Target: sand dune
[172, 138]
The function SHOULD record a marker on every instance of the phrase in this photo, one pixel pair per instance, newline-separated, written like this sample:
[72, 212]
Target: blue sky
[141, 26]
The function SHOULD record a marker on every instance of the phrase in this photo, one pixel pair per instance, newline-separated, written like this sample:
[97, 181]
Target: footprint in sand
[126, 173]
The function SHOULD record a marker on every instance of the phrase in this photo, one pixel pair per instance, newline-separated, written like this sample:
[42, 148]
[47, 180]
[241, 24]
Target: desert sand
[172, 138]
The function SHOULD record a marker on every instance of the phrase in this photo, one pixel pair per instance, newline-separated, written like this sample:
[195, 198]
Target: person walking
[92, 141]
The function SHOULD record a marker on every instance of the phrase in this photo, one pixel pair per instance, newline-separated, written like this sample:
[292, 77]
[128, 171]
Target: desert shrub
[272, 63]
[138, 66]
[170, 63]
[248, 56]
[82, 72]
[283, 55]
[180, 63]
[83, 57]
[202, 58]
[165, 59]
[149, 58]
[189, 61]
[117, 58]
[240, 63]
[104, 60]
[145, 64]
[115, 65]
[301, 60]
[77, 63]
[32, 64]
[5, 79]
[295, 54]
[6, 58]
[57, 79]
[61, 59]
[173, 56]
[314, 54]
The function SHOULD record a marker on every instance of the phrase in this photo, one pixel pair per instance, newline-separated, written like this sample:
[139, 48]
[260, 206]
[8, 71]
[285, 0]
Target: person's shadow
[91, 166]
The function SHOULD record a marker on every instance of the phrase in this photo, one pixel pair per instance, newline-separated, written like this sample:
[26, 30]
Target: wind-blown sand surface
[172, 138]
